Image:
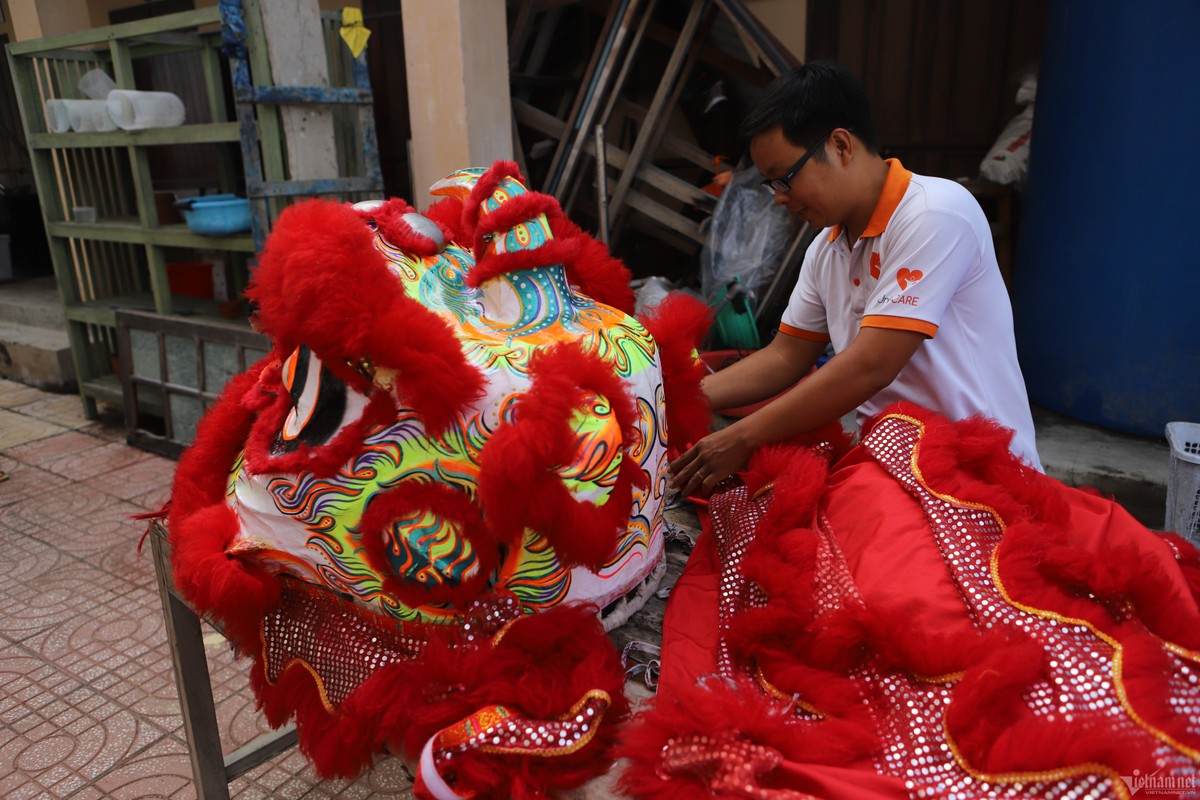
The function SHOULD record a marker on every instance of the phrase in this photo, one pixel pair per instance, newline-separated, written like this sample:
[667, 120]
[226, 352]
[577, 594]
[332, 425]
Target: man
[903, 282]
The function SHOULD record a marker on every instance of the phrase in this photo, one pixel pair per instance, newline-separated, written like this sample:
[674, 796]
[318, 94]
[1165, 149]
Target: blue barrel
[1107, 286]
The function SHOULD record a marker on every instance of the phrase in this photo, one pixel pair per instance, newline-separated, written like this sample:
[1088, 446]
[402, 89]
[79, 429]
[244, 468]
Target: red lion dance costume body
[923, 617]
[411, 511]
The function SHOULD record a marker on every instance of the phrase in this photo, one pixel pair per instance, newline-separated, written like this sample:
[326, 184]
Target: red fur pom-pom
[447, 214]
[692, 742]
[522, 457]
[678, 324]
[393, 221]
[214, 582]
[596, 272]
[322, 283]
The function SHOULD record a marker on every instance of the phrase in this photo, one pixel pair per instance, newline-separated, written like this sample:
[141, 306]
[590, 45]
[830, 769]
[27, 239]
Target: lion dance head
[418, 513]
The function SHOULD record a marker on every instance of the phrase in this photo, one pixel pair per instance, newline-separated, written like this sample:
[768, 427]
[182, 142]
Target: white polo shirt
[924, 263]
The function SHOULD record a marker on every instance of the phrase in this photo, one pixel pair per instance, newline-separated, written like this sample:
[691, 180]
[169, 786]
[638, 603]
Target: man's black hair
[810, 101]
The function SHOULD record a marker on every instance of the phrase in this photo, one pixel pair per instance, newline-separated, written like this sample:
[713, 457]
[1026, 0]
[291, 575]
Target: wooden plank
[664, 216]
[302, 95]
[90, 57]
[680, 147]
[160, 284]
[582, 107]
[538, 119]
[202, 133]
[668, 87]
[105, 388]
[127, 30]
[267, 160]
[314, 187]
[28, 102]
[775, 56]
[657, 177]
[293, 36]
[214, 90]
[167, 42]
[163, 235]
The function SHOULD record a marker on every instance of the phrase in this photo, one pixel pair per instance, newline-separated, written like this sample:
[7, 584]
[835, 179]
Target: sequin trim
[581, 723]
[502, 731]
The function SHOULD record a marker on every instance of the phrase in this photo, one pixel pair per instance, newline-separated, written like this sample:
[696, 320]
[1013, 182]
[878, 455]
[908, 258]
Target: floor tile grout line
[130, 757]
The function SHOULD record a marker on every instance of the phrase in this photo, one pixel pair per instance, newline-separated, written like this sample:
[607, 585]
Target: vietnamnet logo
[1161, 785]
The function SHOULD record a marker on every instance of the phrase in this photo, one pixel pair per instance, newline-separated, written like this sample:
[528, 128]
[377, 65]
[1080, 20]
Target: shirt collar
[894, 187]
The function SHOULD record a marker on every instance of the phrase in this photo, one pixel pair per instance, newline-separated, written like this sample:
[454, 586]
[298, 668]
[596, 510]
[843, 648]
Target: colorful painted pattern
[305, 526]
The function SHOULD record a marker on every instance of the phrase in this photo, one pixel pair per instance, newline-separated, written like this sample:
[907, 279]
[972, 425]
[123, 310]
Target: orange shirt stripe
[800, 333]
[894, 187]
[900, 324]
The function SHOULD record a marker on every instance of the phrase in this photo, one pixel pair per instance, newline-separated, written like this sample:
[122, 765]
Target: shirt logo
[904, 277]
[875, 266]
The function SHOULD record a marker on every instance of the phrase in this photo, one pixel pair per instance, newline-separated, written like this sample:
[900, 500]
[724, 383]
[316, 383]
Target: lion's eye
[319, 403]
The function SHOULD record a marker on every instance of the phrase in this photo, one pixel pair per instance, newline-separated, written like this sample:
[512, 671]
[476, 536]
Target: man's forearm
[817, 400]
[841, 386]
[760, 375]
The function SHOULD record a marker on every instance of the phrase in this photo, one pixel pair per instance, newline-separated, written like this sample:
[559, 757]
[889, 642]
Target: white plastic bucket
[1183, 487]
[132, 110]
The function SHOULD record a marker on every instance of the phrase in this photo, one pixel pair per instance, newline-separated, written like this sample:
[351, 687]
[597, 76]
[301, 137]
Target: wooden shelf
[184, 20]
[103, 388]
[125, 229]
[107, 389]
[103, 312]
[127, 250]
[203, 133]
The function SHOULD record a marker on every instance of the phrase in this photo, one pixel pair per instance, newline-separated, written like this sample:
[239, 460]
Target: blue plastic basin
[216, 215]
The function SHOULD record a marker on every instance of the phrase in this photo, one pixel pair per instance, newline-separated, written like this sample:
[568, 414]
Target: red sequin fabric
[342, 645]
[1081, 683]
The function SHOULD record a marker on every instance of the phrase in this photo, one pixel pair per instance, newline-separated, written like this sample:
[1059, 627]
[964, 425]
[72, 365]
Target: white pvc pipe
[82, 116]
[96, 84]
[89, 115]
[132, 110]
[57, 118]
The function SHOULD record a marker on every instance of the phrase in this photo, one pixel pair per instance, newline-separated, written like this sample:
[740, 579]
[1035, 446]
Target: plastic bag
[747, 238]
[649, 292]
[1008, 160]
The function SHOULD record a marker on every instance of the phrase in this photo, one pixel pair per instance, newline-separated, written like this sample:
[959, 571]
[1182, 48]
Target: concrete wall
[456, 58]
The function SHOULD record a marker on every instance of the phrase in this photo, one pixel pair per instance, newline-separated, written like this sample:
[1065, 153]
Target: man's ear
[843, 144]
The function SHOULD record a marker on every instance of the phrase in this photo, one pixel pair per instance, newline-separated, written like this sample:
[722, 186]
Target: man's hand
[868, 365]
[710, 461]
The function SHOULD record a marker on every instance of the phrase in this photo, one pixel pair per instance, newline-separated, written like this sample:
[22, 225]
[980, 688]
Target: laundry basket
[1183, 487]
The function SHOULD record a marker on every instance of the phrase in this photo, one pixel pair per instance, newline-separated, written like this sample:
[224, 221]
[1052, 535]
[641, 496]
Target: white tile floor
[88, 707]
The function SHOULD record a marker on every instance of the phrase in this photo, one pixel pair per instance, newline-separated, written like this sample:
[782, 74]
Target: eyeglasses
[783, 185]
